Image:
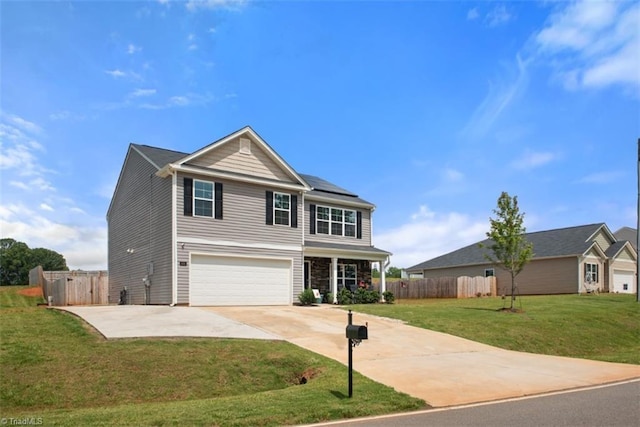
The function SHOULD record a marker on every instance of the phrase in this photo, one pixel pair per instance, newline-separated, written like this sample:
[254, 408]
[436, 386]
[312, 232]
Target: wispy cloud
[131, 49]
[138, 93]
[119, 74]
[21, 123]
[194, 5]
[46, 207]
[499, 15]
[593, 44]
[534, 159]
[19, 150]
[429, 234]
[500, 96]
[66, 115]
[473, 14]
[187, 100]
[601, 177]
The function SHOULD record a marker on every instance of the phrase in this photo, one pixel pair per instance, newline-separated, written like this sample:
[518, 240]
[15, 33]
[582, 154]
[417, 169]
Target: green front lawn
[601, 327]
[56, 368]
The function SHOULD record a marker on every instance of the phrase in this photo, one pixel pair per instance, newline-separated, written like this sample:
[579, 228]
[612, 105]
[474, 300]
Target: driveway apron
[441, 369]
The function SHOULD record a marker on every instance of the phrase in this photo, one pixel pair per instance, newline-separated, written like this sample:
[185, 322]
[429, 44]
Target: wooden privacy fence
[72, 287]
[443, 287]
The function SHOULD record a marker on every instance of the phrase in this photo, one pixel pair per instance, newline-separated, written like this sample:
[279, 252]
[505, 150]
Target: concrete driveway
[139, 321]
[441, 369]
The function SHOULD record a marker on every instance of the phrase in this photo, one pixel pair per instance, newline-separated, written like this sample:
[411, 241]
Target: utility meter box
[357, 332]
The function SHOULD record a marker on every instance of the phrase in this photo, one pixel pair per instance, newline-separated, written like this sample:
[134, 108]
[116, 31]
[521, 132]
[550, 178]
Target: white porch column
[383, 281]
[334, 279]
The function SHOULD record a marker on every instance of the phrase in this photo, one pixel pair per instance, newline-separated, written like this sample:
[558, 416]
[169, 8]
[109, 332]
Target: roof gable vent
[245, 146]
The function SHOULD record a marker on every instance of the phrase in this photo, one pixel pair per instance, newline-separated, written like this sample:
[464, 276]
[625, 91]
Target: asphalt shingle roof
[321, 187]
[550, 243]
[628, 233]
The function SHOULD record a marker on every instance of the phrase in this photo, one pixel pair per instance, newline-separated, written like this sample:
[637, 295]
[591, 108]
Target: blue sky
[427, 109]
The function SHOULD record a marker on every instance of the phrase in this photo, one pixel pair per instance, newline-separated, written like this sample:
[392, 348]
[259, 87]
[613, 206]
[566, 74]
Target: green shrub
[329, 297]
[307, 297]
[389, 298]
[345, 296]
[364, 296]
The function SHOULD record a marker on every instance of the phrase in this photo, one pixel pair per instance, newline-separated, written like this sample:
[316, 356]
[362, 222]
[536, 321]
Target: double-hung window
[347, 274]
[203, 198]
[591, 273]
[281, 208]
[334, 221]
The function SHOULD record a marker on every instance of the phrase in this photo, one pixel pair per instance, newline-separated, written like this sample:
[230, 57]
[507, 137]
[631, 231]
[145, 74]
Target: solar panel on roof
[322, 185]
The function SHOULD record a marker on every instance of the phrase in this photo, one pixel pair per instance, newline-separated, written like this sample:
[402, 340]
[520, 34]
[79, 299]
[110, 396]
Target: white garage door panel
[217, 280]
[620, 278]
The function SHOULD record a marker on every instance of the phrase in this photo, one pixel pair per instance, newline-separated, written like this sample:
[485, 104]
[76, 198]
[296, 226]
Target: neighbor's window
[334, 221]
[591, 273]
[489, 272]
[202, 198]
[281, 208]
[625, 287]
[347, 274]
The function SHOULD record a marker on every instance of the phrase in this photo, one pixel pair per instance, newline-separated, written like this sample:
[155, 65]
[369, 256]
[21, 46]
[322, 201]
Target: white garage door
[622, 278]
[221, 280]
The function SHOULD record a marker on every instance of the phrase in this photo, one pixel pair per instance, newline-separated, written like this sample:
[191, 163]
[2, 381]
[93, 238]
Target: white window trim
[213, 199]
[288, 224]
[492, 270]
[343, 278]
[343, 222]
[588, 272]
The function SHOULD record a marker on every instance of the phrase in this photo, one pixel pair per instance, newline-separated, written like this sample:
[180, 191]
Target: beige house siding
[229, 158]
[602, 273]
[539, 277]
[328, 238]
[603, 240]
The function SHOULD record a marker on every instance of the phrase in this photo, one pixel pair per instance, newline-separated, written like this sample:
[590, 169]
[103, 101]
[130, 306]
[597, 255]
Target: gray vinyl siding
[539, 277]
[184, 255]
[243, 223]
[140, 219]
[228, 157]
[328, 238]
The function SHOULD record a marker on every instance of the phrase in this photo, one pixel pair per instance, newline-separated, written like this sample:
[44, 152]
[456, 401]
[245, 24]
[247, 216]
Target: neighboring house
[565, 261]
[232, 224]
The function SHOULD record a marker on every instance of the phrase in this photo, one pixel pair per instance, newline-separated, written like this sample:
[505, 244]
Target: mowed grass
[601, 327]
[55, 367]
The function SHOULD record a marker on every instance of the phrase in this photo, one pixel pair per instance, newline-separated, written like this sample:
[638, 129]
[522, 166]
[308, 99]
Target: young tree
[511, 250]
[394, 272]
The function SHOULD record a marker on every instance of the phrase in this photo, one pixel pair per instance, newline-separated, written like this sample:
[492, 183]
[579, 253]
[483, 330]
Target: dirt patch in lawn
[35, 291]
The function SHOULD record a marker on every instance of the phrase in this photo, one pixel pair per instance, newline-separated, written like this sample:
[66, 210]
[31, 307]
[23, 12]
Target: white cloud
[499, 98]
[601, 177]
[194, 5]
[534, 159]
[142, 92]
[131, 49]
[498, 16]
[430, 234]
[452, 175]
[83, 247]
[593, 44]
[116, 73]
[473, 14]
[65, 115]
[46, 207]
[23, 124]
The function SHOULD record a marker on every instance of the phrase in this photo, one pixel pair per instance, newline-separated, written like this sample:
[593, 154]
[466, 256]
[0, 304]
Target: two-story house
[232, 224]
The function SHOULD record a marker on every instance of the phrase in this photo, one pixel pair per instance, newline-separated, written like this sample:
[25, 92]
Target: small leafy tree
[394, 272]
[510, 249]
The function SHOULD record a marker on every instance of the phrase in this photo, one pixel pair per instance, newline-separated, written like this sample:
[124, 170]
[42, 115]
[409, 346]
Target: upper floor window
[281, 208]
[202, 198]
[591, 273]
[334, 221]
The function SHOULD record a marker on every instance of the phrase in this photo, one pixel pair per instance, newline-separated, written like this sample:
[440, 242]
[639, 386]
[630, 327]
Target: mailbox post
[355, 335]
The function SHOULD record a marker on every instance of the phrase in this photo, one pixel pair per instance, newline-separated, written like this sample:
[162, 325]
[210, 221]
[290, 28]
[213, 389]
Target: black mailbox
[356, 332]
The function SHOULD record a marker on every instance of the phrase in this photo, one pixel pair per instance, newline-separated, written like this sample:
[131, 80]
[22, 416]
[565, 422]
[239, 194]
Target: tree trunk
[513, 289]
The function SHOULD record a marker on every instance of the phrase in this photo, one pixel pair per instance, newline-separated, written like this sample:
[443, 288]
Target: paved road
[614, 405]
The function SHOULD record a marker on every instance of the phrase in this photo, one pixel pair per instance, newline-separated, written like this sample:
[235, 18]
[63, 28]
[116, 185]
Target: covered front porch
[330, 267]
